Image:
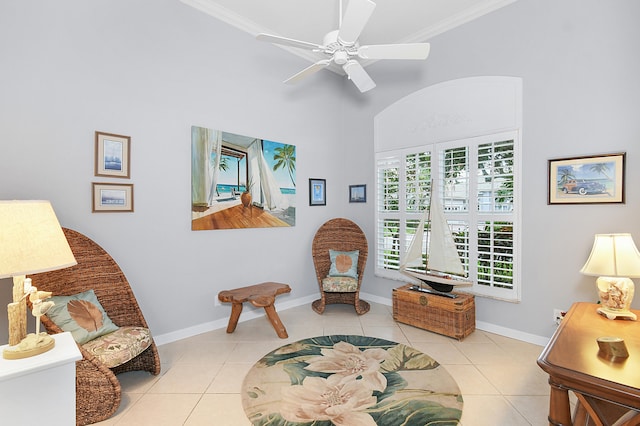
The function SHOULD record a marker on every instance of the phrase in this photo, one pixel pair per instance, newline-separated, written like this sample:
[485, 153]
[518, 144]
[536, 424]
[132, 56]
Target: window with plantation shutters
[388, 192]
[475, 180]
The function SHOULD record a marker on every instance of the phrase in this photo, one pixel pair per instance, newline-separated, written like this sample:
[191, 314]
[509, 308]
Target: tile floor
[202, 375]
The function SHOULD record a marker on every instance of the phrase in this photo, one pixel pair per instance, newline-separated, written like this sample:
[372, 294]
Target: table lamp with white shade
[31, 241]
[614, 259]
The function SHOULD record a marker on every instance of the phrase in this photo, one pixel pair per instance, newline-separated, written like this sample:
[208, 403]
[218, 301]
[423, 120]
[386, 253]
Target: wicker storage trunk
[444, 315]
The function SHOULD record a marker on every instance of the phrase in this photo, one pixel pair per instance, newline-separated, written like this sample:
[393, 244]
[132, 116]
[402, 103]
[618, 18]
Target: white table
[41, 389]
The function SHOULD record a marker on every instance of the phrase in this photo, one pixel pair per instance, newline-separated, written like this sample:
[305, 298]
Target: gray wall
[152, 68]
[581, 97]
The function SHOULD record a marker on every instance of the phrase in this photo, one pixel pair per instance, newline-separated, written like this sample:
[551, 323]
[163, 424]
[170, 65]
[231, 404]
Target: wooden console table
[608, 392]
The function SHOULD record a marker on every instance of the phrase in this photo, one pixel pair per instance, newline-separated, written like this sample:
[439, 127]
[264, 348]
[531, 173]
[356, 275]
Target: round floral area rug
[350, 381]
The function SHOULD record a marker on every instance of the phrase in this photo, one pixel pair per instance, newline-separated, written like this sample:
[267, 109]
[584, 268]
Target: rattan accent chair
[98, 390]
[342, 235]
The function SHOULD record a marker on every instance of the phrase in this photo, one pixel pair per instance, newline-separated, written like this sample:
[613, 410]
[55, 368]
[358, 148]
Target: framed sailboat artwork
[443, 268]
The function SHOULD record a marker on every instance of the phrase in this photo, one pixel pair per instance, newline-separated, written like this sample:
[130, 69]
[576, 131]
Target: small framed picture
[112, 197]
[594, 179]
[357, 193]
[317, 192]
[112, 155]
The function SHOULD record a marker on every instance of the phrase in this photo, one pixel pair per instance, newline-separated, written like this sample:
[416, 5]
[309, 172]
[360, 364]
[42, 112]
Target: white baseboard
[514, 334]
[249, 315]
[222, 323]
[376, 299]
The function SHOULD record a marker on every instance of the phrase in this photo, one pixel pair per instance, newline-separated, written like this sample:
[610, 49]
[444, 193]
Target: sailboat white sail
[443, 267]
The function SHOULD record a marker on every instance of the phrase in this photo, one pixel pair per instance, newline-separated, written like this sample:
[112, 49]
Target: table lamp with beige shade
[31, 241]
[614, 259]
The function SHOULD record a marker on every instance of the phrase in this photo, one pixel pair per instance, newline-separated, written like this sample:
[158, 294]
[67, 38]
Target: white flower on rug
[349, 362]
[334, 398]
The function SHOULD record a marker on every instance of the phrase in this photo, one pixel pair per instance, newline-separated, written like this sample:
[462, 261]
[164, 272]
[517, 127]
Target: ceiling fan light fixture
[358, 76]
[340, 57]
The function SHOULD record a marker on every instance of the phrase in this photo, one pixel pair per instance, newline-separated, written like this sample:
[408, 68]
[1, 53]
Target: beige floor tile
[299, 314]
[256, 330]
[484, 353]
[533, 408]
[138, 381]
[392, 333]
[502, 340]
[445, 353]
[523, 350]
[489, 410]
[160, 410]
[186, 378]
[251, 352]
[217, 335]
[301, 330]
[516, 345]
[127, 401]
[517, 378]
[171, 352]
[218, 410]
[377, 308]
[377, 320]
[355, 330]
[229, 379]
[470, 380]
[206, 352]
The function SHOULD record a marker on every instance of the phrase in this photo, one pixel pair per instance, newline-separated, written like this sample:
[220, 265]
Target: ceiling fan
[342, 48]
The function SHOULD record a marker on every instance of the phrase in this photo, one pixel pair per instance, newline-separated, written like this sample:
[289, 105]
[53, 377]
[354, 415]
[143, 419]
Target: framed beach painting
[594, 179]
[112, 155]
[317, 192]
[240, 181]
[112, 197]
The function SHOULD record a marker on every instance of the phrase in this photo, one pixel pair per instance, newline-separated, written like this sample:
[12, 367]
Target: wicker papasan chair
[98, 391]
[344, 238]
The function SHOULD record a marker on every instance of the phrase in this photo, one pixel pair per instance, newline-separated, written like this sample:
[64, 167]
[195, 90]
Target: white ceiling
[393, 21]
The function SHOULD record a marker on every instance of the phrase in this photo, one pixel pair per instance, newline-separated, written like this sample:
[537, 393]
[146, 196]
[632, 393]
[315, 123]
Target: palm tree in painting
[565, 175]
[285, 157]
[601, 168]
[224, 165]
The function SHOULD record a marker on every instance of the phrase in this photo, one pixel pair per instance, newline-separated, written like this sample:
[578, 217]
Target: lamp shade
[31, 239]
[613, 255]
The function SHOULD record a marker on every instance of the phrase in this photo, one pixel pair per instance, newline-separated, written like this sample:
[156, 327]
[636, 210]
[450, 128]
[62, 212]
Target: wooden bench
[260, 295]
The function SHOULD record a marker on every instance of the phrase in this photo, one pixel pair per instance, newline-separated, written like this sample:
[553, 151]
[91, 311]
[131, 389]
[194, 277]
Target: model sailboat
[443, 267]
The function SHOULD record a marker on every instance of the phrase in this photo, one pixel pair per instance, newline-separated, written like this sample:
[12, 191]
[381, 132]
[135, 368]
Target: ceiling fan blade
[355, 18]
[358, 75]
[395, 51]
[288, 41]
[308, 71]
